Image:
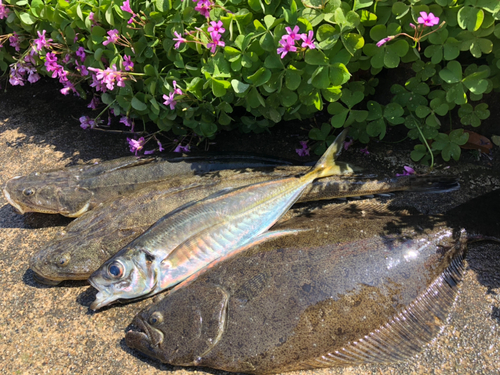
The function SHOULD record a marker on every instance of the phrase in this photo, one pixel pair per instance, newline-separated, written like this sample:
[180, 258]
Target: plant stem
[426, 144]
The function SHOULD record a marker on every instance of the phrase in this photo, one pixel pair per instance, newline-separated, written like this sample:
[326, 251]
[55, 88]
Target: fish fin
[327, 165]
[256, 241]
[130, 163]
[433, 184]
[74, 201]
[406, 333]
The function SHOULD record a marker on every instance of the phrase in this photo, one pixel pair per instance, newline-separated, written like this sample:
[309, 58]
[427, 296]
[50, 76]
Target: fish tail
[327, 165]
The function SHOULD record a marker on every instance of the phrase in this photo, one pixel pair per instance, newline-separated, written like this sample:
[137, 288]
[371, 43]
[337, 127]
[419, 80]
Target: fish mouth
[43, 280]
[144, 335]
[13, 203]
[102, 298]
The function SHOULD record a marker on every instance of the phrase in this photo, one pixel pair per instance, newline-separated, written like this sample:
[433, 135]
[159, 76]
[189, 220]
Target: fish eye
[116, 269]
[63, 261]
[29, 191]
[156, 318]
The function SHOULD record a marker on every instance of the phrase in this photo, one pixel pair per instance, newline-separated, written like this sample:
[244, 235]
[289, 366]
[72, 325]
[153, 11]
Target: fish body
[74, 190]
[191, 237]
[359, 283]
[86, 243]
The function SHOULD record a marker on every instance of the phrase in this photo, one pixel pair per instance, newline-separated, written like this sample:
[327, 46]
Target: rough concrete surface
[51, 329]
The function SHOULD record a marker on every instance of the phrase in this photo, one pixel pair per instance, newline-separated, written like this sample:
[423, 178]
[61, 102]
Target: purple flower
[33, 77]
[136, 145]
[125, 121]
[91, 18]
[160, 146]
[348, 144]
[304, 150]
[215, 42]
[365, 151]
[14, 41]
[308, 40]
[94, 103]
[112, 38]
[428, 19]
[408, 171]
[293, 34]
[181, 148]
[86, 122]
[82, 69]
[4, 11]
[80, 52]
[413, 26]
[127, 63]
[148, 152]
[169, 100]
[380, 43]
[126, 7]
[66, 59]
[216, 27]
[68, 86]
[177, 90]
[287, 44]
[179, 39]
[107, 77]
[41, 42]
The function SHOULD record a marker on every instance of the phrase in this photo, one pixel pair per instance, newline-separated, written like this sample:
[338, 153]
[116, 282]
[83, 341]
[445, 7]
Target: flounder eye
[116, 270]
[63, 261]
[156, 318]
[29, 191]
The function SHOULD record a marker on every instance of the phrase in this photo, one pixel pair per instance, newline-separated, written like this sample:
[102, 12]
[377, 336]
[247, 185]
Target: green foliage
[248, 84]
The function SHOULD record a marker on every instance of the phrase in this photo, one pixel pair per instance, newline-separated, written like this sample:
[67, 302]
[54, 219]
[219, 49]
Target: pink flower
[66, 59]
[216, 27]
[68, 86]
[160, 146]
[91, 18]
[287, 44]
[365, 151]
[108, 77]
[428, 19]
[169, 100]
[112, 38]
[126, 7]
[127, 63]
[177, 90]
[179, 39]
[380, 43]
[413, 26]
[41, 42]
[304, 150]
[408, 171]
[4, 11]
[293, 34]
[136, 145]
[215, 42]
[204, 7]
[82, 69]
[308, 40]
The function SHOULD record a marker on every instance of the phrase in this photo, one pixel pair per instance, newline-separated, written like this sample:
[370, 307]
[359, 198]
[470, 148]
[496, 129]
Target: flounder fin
[434, 184]
[256, 241]
[130, 163]
[406, 333]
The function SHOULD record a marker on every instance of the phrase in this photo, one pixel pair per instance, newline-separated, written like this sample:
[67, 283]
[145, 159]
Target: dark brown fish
[363, 283]
[74, 190]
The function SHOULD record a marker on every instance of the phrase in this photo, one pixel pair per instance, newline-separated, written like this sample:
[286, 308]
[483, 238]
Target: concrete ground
[51, 329]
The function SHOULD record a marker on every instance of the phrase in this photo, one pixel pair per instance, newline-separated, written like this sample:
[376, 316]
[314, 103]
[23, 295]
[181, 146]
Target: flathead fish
[74, 190]
[85, 244]
[198, 233]
[360, 283]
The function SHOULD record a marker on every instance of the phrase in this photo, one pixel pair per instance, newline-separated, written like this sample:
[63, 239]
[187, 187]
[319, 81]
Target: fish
[360, 283]
[85, 244]
[200, 232]
[72, 191]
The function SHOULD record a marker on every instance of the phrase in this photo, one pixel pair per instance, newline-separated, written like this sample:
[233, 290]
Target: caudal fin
[327, 165]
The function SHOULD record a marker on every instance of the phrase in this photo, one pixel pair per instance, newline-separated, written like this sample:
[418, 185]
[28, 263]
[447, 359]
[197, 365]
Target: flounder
[357, 284]
[86, 243]
[74, 190]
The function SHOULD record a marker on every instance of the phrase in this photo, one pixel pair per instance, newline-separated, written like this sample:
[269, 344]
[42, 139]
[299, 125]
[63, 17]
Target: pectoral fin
[74, 202]
[256, 241]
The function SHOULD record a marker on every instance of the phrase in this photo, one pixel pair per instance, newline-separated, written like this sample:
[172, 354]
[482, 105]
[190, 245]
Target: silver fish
[191, 237]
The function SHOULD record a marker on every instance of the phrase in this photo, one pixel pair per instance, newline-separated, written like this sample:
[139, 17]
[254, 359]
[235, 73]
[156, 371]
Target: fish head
[28, 195]
[130, 274]
[183, 327]
[69, 256]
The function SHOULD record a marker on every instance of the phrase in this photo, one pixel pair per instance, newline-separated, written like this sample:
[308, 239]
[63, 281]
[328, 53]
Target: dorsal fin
[406, 333]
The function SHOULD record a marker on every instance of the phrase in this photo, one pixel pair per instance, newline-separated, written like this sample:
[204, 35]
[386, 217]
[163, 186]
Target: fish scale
[244, 214]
